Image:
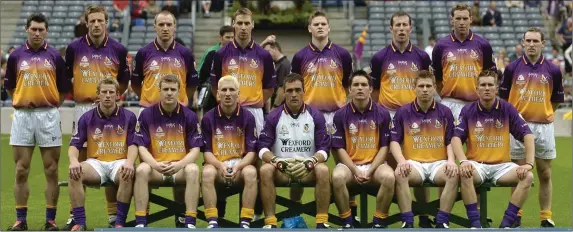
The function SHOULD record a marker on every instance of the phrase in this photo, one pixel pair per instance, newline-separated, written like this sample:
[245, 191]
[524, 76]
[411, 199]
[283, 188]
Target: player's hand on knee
[361, 176]
[522, 171]
[127, 172]
[172, 168]
[75, 170]
[466, 169]
[159, 166]
[451, 169]
[404, 169]
[281, 164]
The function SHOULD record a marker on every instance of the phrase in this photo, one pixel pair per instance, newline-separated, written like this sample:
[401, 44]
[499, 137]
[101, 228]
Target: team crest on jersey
[458, 121]
[24, 65]
[473, 54]
[438, 124]
[107, 61]
[332, 128]
[253, 64]
[218, 133]
[159, 132]
[450, 57]
[479, 128]
[391, 125]
[177, 63]
[119, 130]
[84, 62]
[354, 139]
[311, 68]
[283, 131]
[97, 135]
[239, 132]
[306, 128]
[391, 69]
[180, 129]
[352, 129]
[498, 124]
[198, 128]
[414, 128]
[333, 64]
[543, 79]
[372, 125]
[153, 66]
[137, 127]
[414, 68]
[520, 80]
[47, 64]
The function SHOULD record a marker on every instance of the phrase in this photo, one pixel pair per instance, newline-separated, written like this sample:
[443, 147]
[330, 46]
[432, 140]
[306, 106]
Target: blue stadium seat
[31, 2]
[67, 35]
[60, 15]
[57, 21]
[31, 8]
[76, 8]
[376, 9]
[53, 34]
[60, 8]
[138, 28]
[133, 47]
[150, 28]
[441, 22]
[45, 8]
[25, 14]
[75, 14]
[68, 28]
[149, 34]
[116, 35]
[150, 22]
[138, 41]
[65, 41]
[392, 4]
[185, 22]
[496, 42]
[185, 35]
[107, 3]
[20, 34]
[55, 28]
[137, 35]
[71, 21]
[374, 29]
[185, 29]
[377, 36]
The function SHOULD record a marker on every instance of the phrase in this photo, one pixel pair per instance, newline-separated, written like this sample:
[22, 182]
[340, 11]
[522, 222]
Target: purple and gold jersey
[325, 75]
[487, 132]
[107, 138]
[394, 73]
[423, 136]
[253, 67]
[37, 77]
[458, 64]
[229, 138]
[361, 134]
[168, 137]
[88, 65]
[152, 63]
[532, 87]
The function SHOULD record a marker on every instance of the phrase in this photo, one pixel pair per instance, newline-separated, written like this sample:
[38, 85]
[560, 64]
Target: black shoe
[406, 225]
[111, 221]
[180, 222]
[79, 228]
[18, 226]
[425, 222]
[356, 221]
[547, 223]
[517, 223]
[442, 225]
[50, 226]
[69, 224]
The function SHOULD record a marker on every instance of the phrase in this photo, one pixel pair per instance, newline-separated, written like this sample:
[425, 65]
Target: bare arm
[450, 152]
[529, 143]
[458, 149]
[279, 98]
[191, 157]
[268, 156]
[378, 160]
[122, 88]
[212, 160]
[343, 157]
[131, 154]
[191, 94]
[73, 154]
[397, 152]
[146, 157]
[267, 93]
[247, 160]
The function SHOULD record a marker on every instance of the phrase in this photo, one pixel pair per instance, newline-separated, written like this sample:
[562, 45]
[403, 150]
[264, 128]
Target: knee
[267, 171]
[544, 174]
[209, 173]
[338, 179]
[453, 180]
[387, 179]
[528, 180]
[321, 172]
[51, 170]
[191, 170]
[22, 172]
[249, 174]
[143, 171]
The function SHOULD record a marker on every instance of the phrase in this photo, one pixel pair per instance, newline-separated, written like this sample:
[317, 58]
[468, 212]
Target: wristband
[530, 164]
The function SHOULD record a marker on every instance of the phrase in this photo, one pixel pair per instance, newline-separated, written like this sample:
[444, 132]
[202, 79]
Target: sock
[509, 216]
[346, 217]
[222, 206]
[140, 218]
[442, 217]
[79, 215]
[473, 215]
[321, 218]
[122, 211]
[379, 217]
[51, 213]
[407, 217]
[272, 220]
[545, 214]
[211, 213]
[247, 214]
[21, 213]
[190, 217]
[520, 213]
[353, 207]
[111, 208]
[71, 211]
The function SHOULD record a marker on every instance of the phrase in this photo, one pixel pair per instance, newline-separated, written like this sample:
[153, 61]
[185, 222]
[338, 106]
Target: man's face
[169, 92]
[108, 95]
[425, 89]
[360, 89]
[96, 24]
[401, 29]
[165, 27]
[533, 44]
[228, 93]
[271, 51]
[227, 38]
[37, 32]
[518, 49]
[487, 88]
[293, 94]
[461, 21]
[319, 27]
[243, 26]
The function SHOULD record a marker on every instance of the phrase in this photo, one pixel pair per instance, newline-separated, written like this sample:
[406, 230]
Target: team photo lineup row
[314, 120]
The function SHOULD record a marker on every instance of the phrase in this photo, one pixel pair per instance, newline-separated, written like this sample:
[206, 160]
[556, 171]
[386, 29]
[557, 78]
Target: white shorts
[329, 118]
[79, 110]
[232, 162]
[361, 167]
[544, 134]
[427, 170]
[259, 118]
[106, 170]
[40, 127]
[492, 172]
[455, 106]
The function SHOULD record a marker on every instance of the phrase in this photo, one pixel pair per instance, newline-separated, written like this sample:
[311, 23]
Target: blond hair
[229, 79]
[108, 81]
[170, 78]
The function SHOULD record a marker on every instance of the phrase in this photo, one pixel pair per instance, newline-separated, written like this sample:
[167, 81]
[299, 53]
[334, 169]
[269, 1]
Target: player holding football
[293, 147]
[535, 87]
[108, 131]
[360, 140]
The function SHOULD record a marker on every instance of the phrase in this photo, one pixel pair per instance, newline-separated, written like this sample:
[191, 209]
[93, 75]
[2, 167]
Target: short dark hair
[432, 37]
[292, 77]
[37, 17]
[225, 29]
[461, 7]
[315, 14]
[488, 73]
[398, 14]
[425, 74]
[273, 45]
[360, 73]
[535, 29]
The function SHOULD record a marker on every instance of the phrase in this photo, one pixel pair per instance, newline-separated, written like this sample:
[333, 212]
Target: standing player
[248, 62]
[169, 140]
[90, 59]
[360, 138]
[36, 80]
[535, 87]
[424, 129]
[230, 146]
[294, 131]
[108, 130]
[486, 125]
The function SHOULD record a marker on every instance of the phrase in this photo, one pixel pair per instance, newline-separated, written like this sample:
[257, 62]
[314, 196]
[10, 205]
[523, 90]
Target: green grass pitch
[97, 217]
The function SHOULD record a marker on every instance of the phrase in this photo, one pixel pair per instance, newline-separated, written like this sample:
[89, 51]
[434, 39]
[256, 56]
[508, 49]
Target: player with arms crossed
[252, 65]
[230, 152]
[169, 139]
[293, 147]
[108, 131]
[90, 59]
[360, 140]
[486, 126]
[37, 82]
[424, 129]
[535, 87]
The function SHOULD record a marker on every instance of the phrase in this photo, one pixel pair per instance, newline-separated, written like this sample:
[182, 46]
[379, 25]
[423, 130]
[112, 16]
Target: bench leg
[483, 207]
[363, 210]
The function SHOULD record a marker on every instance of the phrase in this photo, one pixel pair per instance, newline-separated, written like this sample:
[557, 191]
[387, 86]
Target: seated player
[293, 146]
[169, 140]
[360, 140]
[229, 152]
[108, 130]
[486, 125]
[423, 129]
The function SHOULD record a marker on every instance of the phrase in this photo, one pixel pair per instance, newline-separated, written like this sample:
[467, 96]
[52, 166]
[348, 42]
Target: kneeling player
[229, 151]
[424, 129]
[169, 141]
[293, 146]
[486, 125]
[360, 141]
[108, 130]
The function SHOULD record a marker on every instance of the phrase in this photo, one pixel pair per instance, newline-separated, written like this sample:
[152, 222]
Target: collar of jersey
[408, 48]
[419, 109]
[528, 62]
[91, 43]
[171, 46]
[454, 39]
[300, 111]
[44, 46]
[100, 112]
[482, 108]
[236, 113]
[176, 111]
[369, 107]
[250, 45]
[315, 48]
